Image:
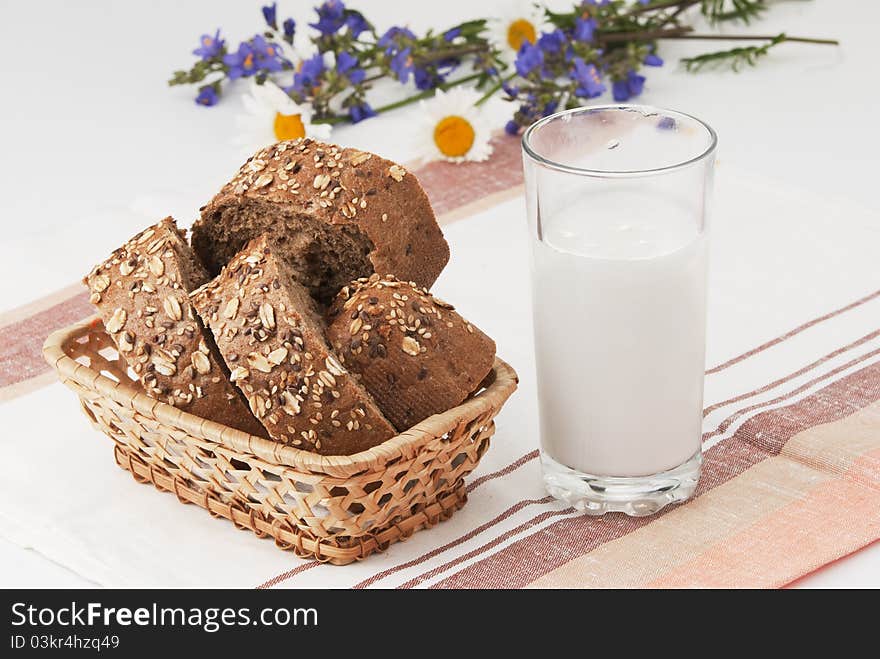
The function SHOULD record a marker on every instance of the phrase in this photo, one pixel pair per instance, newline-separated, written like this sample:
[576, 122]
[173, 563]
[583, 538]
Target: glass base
[637, 496]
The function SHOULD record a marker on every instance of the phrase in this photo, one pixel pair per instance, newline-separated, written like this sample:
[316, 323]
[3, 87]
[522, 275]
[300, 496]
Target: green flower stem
[451, 52]
[403, 102]
[681, 4]
[672, 17]
[685, 33]
[749, 37]
[428, 93]
[493, 89]
[642, 35]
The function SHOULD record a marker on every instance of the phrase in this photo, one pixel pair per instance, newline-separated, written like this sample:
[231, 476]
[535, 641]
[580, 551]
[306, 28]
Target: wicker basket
[337, 509]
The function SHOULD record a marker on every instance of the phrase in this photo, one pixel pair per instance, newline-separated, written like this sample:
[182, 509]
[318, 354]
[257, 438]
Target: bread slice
[141, 293]
[270, 333]
[334, 214]
[414, 354]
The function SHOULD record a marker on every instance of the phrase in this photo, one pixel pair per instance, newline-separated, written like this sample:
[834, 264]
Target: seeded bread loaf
[271, 335]
[414, 354]
[141, 293]
[334, 214]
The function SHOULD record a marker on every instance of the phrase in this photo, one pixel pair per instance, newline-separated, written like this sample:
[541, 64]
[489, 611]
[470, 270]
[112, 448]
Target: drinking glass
[618, 203]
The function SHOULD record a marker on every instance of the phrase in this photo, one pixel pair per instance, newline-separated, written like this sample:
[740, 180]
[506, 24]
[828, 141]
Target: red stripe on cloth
[274, 581]
[513, 466]
[790, 376]
[724, 425]
[797, 330]
[21, 343]
[452, 185]
[547, 514]
[760, 437]
[467, 536]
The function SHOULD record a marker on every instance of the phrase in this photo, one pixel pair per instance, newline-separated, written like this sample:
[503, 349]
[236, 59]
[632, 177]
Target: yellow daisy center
[520, 31]
[454, 136]
[288, 126]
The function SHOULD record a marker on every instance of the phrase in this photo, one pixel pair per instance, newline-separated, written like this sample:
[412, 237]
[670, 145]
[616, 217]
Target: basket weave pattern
[333, 508]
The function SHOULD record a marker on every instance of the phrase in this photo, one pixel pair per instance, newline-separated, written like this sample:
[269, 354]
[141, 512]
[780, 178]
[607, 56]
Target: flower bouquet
[539, 60]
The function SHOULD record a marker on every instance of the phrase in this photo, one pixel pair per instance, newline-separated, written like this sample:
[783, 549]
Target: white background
[91, 137]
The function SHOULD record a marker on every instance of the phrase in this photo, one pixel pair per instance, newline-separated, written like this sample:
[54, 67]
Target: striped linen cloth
[791, 476]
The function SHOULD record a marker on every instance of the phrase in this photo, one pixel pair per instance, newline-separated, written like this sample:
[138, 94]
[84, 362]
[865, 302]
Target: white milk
[620, 311]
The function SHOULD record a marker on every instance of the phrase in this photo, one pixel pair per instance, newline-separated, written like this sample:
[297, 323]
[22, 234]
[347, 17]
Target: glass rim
[613, 173]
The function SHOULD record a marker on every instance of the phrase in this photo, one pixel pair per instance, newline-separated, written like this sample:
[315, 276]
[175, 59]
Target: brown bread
[271, 335]
[414, 354]
[141, 293]
[334, 215]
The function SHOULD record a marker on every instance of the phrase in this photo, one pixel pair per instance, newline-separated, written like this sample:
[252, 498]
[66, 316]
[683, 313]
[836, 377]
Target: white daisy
[522, 21]
[271, 116]
[459, 131]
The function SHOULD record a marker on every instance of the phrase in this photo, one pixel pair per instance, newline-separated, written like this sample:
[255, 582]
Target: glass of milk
[618, 199]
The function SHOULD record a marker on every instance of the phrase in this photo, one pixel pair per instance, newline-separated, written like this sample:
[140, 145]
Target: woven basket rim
[404, 445]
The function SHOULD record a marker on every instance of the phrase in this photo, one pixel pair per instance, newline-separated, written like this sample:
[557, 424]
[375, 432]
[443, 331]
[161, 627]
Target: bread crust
[414, 354]
[272, 337]
[377, 198]
[141, 293]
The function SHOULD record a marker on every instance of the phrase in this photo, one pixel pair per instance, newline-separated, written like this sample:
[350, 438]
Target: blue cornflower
[254, 56]
[347, 65]
[268, 54]
[433, 76]
[356, 24]
[511, 127]
[313, 67]
[449, 35]
[309, 74]
[402, 64]
[242, 63]
[550, 108]
[207, 96]
[331, 17]
[511, 90]
[491, 71]
[587, 78]
[390, 40]
[209, 46]
[653, 60]
[527, 112]
[345, 61]
[584, 28]
[270, 13]
[552, 42]
[528, 58]
[360, 112]
[632, 85]
[289, 26]
[426, 79]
